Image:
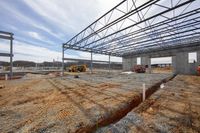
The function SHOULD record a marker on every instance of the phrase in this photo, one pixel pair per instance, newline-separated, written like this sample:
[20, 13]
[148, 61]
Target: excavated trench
[116, 116]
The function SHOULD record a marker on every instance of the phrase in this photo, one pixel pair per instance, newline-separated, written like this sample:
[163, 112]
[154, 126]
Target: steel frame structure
[8, 36]
[136, 27]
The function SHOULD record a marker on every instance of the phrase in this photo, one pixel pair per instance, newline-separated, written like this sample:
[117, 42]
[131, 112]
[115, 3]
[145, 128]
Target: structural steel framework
[140, 26]
[135, 26]
[8, 36]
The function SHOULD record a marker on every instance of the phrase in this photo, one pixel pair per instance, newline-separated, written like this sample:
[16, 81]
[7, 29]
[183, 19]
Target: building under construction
[159, 99]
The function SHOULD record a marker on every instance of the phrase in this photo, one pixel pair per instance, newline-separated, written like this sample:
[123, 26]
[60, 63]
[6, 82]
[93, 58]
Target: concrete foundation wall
[180, 62]
[182, 65]
[128, 63]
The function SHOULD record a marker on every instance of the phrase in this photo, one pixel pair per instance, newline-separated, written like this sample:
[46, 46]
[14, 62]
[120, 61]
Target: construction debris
[139, 69]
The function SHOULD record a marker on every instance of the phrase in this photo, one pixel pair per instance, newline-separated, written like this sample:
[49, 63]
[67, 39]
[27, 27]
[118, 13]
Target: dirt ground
[173, 109]
[39, 103]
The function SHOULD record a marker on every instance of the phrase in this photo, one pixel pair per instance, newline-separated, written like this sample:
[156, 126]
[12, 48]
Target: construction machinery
[78, 68]
[139, 69]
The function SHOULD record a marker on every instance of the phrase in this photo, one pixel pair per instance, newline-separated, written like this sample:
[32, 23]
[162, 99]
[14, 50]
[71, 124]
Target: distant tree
[24, 64]
[4, 63]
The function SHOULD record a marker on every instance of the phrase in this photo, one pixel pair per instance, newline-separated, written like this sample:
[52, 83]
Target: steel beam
[6, 37]
[6, 54]
[85, 60]
[7, 33]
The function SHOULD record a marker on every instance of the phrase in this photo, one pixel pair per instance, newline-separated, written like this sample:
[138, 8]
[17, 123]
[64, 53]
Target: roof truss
[135, 26]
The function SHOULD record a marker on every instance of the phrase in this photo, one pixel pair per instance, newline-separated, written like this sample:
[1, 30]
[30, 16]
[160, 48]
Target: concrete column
[198, 57]
[182, 65]
[133, 62]
[174, 64]
[109, 63]
[146, 61]
[124, 64]
[128, 63]
[149, 65]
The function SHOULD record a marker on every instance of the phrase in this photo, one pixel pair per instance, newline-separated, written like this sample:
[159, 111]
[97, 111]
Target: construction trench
[100, 102]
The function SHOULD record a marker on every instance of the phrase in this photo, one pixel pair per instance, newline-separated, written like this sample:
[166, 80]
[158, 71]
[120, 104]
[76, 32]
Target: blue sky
[41, 26]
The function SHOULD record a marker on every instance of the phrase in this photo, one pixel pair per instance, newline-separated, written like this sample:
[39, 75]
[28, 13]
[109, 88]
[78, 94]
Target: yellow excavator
[77, 68]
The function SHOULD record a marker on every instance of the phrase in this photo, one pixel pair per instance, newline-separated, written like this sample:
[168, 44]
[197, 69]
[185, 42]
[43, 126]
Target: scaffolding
[136, 27]
[8, 36]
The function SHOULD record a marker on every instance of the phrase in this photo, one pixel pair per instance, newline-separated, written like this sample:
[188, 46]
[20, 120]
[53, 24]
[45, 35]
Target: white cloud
[71, 17]
[35, 35]
[39, 37]
[20, 16]
[24, 51]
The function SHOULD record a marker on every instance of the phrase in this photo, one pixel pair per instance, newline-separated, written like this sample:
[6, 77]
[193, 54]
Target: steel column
[11, 57]
[109, 63]
[8, 36]
[63, 56]
[91, 65]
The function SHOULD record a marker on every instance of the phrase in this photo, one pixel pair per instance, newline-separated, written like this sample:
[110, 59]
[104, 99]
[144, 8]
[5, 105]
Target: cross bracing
[135, 26]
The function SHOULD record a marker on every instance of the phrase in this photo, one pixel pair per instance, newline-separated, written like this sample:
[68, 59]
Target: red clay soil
[14, 77]
[67, 105]
[48, 105]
